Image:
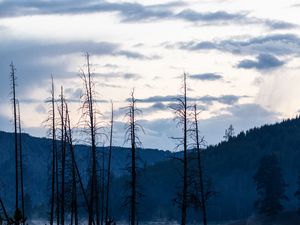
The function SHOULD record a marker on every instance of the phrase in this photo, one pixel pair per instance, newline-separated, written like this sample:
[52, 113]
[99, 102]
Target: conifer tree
[270, 186]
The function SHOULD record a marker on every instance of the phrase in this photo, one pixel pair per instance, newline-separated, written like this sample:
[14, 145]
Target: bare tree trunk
[57, 189]
[21, 164]
[14, 102]
[90, 121]
[92, 130]
[185, 167]
[53, 154]
[74, 204]
[80, 182]
[102, 186]
[97, 202]
[63, 156]
[133, 171]
[132, 137]
[200, 170]
[109, 165]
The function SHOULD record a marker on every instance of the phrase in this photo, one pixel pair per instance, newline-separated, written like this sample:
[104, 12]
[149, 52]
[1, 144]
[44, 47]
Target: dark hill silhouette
[37, 155]
[231, 166]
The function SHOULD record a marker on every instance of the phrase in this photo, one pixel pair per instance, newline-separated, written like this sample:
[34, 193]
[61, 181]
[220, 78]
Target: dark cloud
[128, 11]
[131, 76]
[45, 49]
[206, 77]
[224, 99]
[279, 25]
[35, 62]
[113, 75]
[277, 44]
[219, 16]
[158, 106]
[135, 55]
[132, 12]
[262, 62]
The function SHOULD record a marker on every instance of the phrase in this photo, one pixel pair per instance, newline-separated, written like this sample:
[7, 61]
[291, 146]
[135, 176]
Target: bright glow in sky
[242, 58]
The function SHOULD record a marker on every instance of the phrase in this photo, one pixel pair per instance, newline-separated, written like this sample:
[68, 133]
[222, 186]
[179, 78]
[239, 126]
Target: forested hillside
[37, 158]
[230, 166]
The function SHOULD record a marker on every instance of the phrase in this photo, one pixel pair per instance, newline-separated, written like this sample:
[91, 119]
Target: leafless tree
[62, 113]
[51, 124]
[18, 215]
[109, 166]
[21, 162]
[14, 102]
[181, 111]
[74, 192]
[131, 136]
[88, 119]
[199, 140]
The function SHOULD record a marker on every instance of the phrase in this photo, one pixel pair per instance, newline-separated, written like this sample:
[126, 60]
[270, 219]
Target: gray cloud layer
[31, 59]
[206, 77]
[133, 12]
[262, 62]
[278, 44]
[224, 99]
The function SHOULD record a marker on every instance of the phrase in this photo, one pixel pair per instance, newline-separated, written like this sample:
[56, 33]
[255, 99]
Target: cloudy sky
[242, 58]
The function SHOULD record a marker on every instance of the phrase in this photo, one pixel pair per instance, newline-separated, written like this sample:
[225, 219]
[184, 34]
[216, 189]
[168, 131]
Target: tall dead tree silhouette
[21, 162]
[74, 201]
[181, 112]
[198, 141]
[14, 102]
[102, 185]
[62, 112]
[89, 119]
[107, 210]
[51, 123]
[18, 214]
[131, 135]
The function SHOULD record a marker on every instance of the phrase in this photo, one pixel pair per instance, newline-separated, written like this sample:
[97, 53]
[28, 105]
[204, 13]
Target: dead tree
[132, 130]
[109, 166]
[74, 203]
[51, 123]
[21, 163]
[102, 185]
[198, 141]
[14, 102]
[89, 120]
[181, 111]
[63, 156]
[18, 214]
[77, 174]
